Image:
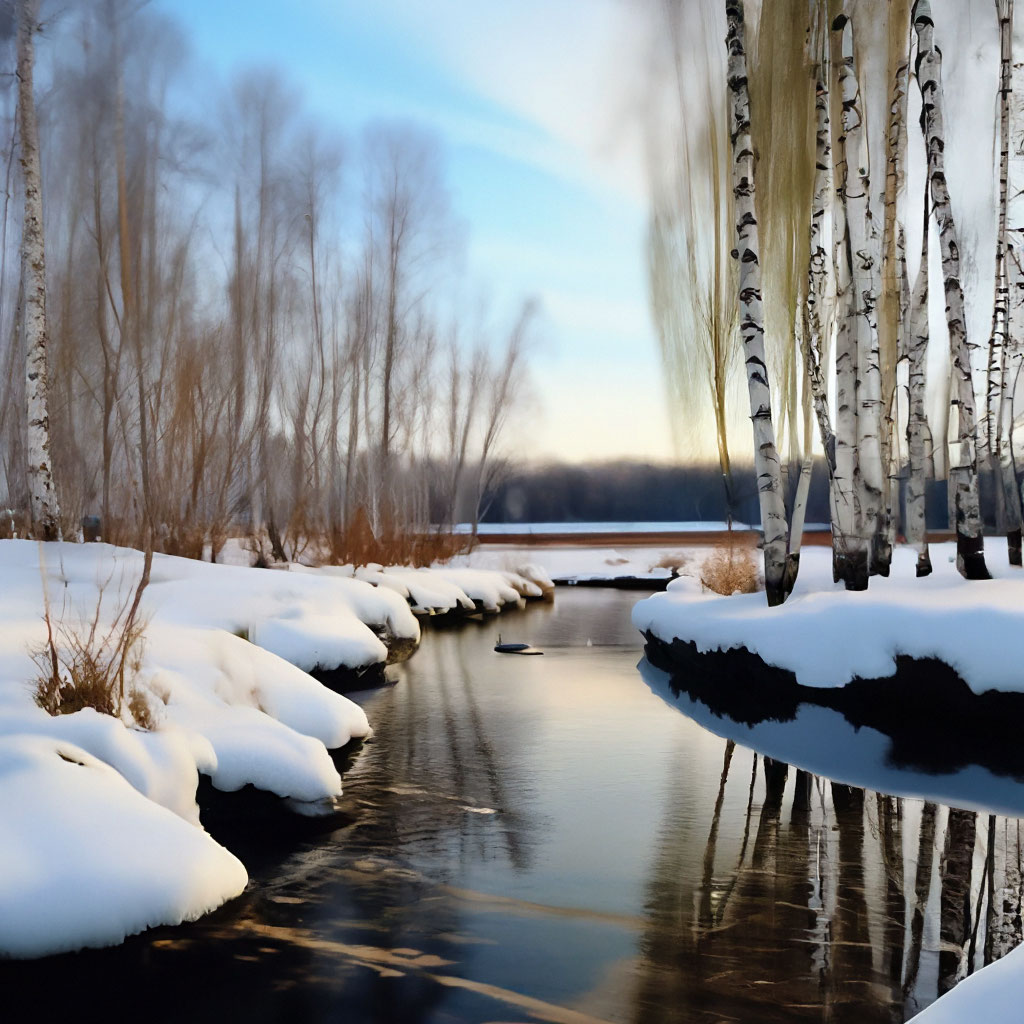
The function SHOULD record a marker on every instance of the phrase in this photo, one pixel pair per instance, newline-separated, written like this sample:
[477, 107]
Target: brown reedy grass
[93, 664]
[731, 570]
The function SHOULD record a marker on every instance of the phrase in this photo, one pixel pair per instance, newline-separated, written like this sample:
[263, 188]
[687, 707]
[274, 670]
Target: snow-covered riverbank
[827, 636]
[101, 833]
[829, 645]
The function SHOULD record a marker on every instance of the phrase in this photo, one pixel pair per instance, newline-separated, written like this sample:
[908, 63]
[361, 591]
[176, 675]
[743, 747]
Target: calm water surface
[560, 839]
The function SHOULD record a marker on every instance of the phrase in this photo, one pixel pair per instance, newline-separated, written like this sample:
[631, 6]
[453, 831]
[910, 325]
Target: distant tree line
[625, 491]
[642, 492]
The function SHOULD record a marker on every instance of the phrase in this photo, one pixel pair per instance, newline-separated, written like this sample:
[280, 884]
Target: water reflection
[545, 839]
[854, 850]
[822, 740]
[808, 920]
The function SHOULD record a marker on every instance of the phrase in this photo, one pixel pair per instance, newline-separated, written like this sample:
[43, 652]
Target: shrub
[89, 667]
[731, 570]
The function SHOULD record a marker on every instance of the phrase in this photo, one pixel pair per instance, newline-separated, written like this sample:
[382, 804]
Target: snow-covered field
[827, 636]
[100, 832]
[655, 562]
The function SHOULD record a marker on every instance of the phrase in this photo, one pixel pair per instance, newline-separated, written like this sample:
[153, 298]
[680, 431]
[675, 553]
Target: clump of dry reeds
[89, 666]
[731, 570]
[358, 545]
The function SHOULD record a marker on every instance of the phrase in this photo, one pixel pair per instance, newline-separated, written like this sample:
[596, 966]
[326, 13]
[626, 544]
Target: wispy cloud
[566, 72]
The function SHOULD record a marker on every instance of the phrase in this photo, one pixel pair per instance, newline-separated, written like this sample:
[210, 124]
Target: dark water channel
[566, 839]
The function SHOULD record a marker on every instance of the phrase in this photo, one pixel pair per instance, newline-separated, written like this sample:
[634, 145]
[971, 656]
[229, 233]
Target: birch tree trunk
[766, 458]
[894, 300]
[42, 494]
[970, 542]
[865, 252]
[797, 519]
[896, 475]
[851, 564]
[1012, 359]
[815, 350]
[817, 282]
[917, 425]
[998, 382]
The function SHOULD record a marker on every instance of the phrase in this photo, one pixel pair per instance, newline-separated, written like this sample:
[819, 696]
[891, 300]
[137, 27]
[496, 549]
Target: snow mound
[86, 860]
[100, 834]
[162, 765]
[109, 842]
[993, 995]
[827, 636]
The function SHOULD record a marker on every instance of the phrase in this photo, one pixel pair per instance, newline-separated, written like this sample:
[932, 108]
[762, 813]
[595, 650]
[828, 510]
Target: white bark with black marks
[893, 327]
[817, 291]
[1013, 359]
[865, 258]
[963, 478]
[42, 494]
[850, 563]
[917, 422]
[747, 251]
[999, 392]
[817, 278]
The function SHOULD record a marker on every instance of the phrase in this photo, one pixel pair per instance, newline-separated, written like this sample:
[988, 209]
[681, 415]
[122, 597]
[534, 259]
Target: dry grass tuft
[89, 667]
[731, 570]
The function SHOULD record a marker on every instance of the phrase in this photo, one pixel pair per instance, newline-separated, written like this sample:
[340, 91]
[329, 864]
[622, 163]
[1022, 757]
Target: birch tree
[817, 284]
[999, 393]
[45, 511]
[864, 252]
[817, 320]
[852, 558]
[1012, 355]
[964, 477]
[917, 423]
[766, 458]
[893, 299]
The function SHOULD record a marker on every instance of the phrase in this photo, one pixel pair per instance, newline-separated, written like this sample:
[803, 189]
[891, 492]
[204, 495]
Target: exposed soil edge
[933, 718]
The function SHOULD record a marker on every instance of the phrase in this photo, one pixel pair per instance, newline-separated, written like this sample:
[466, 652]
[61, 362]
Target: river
[565, 839]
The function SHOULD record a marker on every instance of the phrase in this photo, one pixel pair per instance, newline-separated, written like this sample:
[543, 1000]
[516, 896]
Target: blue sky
[531, 104]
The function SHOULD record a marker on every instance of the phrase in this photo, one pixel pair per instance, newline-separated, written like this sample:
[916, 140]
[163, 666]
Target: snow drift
[827, 636]
[101, 835]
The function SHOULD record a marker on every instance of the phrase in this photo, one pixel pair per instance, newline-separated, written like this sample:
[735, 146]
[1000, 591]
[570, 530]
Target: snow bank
[826, 636]
[241, 710]
[86, 860]
[100, 834]
[993, 995]
[162, 766]
[442, 589]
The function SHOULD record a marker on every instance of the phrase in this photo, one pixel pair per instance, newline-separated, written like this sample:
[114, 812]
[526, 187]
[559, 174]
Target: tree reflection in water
[810, 920]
